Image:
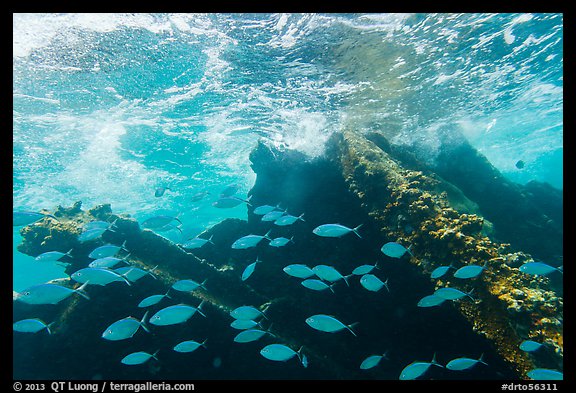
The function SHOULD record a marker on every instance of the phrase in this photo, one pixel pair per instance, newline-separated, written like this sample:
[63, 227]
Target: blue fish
[152, 300]
[417, 369]
[20, 218]
[176, 314]
[107, 250]
[273, 215]
[242, 324]
[452, 294]
[229, 190]
[32, 325]
[107, 262]
[199, 196]
[460, 364]
[298, 271]
[530, 346]
[159, 221]
[188, 285]
[288, 220]
[264, 209]
[124, 328]
[52, 256]
[364, 269]
[544, 374]
[246, 312]
[249, 269]
[316, 285]
[98, 276]
[539, 268]
[440, 271]
[98, 225]
[246, 336]
[282, 353]
[249, 241]
[189, 346]
[431, 301]
[135, 273]
[230, 202]
[280, 241]
[49, 293]
[329, 273]
[395, 250]
[372, 361]
[196, 242]
[136, 358]
[469, 271]
[92, 234]
[327, 323]
[161, 190]
[373, 283]
[335, 230]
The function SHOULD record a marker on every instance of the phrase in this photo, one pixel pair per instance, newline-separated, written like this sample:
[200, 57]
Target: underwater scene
[287, 196]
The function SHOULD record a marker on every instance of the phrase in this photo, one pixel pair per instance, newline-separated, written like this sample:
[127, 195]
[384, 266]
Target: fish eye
[26, 293]
[109, 331]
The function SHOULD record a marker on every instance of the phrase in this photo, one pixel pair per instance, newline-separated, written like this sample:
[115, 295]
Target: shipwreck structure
[361, 179]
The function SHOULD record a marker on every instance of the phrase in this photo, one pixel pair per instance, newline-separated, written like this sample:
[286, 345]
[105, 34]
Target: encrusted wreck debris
[357, 182]
[512, 306]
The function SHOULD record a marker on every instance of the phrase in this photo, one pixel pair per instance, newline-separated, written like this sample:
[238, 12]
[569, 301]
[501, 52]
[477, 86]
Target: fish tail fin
[248, 200]
[125, 278]
[292, 239]
[150, 273]
[210, 240]
[330, 287]
[355, 230]
[267, 330]
[434, 362]
[469, 294]
[167, 293]
[48, 327]
[346, 278]
[123, 247]
[51, 216]
[267, 235]
[376, 265]
[300, 217]
[386, 285]
[68, 253]
[409, 250]
[349, 327]
[203, 343]
[202, 284]
[299, 354]
[561, 269]
[199, 308]
[143, 322]
[156, 353]
[80, 290]
[481, 359]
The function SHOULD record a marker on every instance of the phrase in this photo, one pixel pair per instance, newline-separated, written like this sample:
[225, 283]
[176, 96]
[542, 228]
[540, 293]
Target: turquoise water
[108, 107]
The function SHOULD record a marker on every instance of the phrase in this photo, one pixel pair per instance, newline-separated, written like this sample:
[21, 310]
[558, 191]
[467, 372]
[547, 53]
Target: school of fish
[247, 319]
